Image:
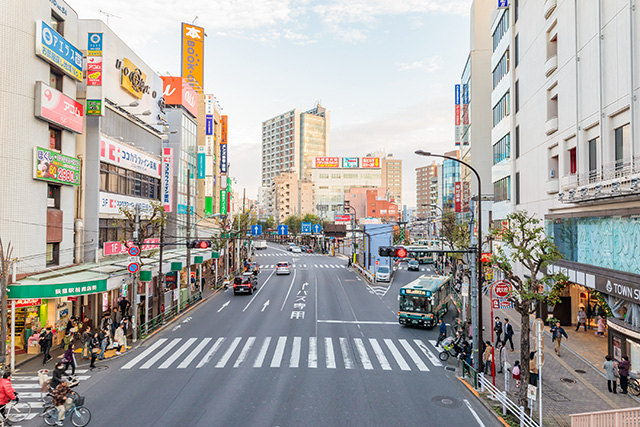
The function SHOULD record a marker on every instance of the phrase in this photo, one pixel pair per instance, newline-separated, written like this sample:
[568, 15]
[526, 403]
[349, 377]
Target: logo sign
[317, 228]
[132, 79]
[94, 44]
[223, 129]
[502, 289]
[370, 162]
[501, 303]
[134, 251]
[94, 71]
[57, 108]
[223, 202]
[192, 68]
[94, 107]
[55, 49]
[283, 230]
[167, 179]
[256, 230]
[28, 302]
[111, 203]
[503, 4]
[125, 156]
[458, 196]
[326, 162]
[133, 267]
[223, 158]
[305, 228]
[342, 218]
[119, 248]
[202, 157]
[178, 92]
[350, 162]
[55, 167]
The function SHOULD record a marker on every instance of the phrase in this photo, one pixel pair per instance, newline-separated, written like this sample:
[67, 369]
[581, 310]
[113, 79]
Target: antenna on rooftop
[108, 15]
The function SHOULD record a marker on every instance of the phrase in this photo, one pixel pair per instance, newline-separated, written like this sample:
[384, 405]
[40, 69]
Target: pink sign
[342, 218]
[57, 108]
[118, 248]
[94, 71]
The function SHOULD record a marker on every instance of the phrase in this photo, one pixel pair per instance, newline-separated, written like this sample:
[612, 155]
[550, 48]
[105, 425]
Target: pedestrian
[515, 372]
[601, 326]
[497, 328]
[623, 370]
[86, 342]
[69, 359]
[113, 323]
[124, 306]
[46, 341]
[443, 331]
[503, 358]
[582, 319]
[557, 333]
[104, 341]
[533, 369]
[508, 333]
[487, 357]
[610, 373]
[95, 349]
[118, 339]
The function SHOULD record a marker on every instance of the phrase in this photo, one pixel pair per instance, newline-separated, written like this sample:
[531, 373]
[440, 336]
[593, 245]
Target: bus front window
[415, 303]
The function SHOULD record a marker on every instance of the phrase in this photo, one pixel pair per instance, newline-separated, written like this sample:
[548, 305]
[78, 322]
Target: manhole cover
[568, 380]
[99, 368]
[580, 371]
[450, 368]
[446, 401]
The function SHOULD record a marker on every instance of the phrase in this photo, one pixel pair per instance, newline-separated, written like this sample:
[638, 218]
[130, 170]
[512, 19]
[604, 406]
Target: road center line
[363, 322]
[258, 293]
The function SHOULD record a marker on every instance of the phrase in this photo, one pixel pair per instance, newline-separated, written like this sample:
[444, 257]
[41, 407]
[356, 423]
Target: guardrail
[469, 372]
[165, 317]
[494, 393]
[613, 418]
[367, 275]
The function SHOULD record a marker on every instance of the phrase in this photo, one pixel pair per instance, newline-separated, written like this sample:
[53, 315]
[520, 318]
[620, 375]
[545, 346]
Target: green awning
[51, 285]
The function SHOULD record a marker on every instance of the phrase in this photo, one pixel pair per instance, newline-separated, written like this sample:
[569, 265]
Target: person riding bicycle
[57, 375]
[7, 392]
[62, 400]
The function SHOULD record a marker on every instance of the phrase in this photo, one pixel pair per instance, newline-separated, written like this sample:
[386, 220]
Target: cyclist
[58, 373]
[62, 400]
[7, 392]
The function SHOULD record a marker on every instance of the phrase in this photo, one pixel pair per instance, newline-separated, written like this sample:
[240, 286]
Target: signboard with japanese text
[208, 128]
[458, 196]
[501, 289]
[119, 248]
[94, 44]
[466, 195]
[55, 49]
[223, 129]
[167, 179]
[209, 104]
[208, 206]
[94, 107]
[370, 162]
[178, 92]
[192, 64]
[209, 145]
[28, 290]
[30, 302]
[223, 158]
[52, 166]
[94, 71]
[223, 202]
[111, 203]
[350, 162]
[55, 107]
[342, 218]
[125, 156]
[457, 115]
[202, 156]
[326, 162]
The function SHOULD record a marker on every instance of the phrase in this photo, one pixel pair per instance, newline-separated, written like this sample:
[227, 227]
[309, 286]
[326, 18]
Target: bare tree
[6, 263]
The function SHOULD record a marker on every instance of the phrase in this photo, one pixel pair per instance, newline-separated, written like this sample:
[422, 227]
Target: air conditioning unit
[552, 173]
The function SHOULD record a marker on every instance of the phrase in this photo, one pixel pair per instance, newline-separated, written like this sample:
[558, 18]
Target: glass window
[53, 253]
[502, 149]
[516, 49]
[501, 28]
[517, 141]
[593, 155]
[502, 189]
[501, 70]
[55, 139]
[501, 109]
[517, 188]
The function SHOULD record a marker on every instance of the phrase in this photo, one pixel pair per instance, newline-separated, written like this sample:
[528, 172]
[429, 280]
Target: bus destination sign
[419, 292]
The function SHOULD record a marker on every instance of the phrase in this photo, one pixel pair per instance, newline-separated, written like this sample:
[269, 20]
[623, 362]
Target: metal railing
[614, 418]
[494, 393]
[166, 316]
[469, 372]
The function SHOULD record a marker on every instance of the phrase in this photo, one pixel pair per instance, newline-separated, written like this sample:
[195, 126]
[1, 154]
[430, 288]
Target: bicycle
[80, 416]
[14, 412]
[634, 385]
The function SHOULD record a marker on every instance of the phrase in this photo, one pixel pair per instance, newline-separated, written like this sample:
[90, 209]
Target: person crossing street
[558, 332]
[443, 331]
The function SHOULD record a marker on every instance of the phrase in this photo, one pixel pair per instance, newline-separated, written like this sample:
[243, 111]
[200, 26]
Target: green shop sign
[56, 290]
[94, 107]
[55, 167]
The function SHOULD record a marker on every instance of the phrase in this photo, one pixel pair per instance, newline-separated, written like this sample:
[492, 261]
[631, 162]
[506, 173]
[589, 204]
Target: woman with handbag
[95, 349]
[611, 374]
[69, 359]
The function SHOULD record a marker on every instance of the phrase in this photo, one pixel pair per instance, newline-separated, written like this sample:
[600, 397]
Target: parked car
[283, 268]
[383, 274]
[296, 250]
[247, 283]
[413, 265]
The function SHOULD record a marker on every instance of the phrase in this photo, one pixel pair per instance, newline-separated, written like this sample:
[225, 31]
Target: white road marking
[245, 350]
[207, 357]
[161, 353]
[377, 350]
[260, 290]
[294, 362]
[227, 355]
[277, 356]
[432, 358]
[346, 355]
[413, 355]
[364, 357]
[313, 352]
[194, 353]
[265, 305]
[144, 354]
[475, 415]
[289, 291]
[223, 306]
[177, 354]
[263, 352]
[396, 355]
[330, 357]
[363, 322]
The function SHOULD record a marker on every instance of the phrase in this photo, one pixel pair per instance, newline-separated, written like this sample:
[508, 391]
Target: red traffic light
[401, 252]
[203, 244]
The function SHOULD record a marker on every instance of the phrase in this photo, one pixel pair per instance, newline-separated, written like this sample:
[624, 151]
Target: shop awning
[48, 285]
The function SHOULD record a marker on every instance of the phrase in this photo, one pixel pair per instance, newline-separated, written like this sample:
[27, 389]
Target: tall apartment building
[447, 182]
[426, 190]
[574, 120]
[289, 193]
[391, 172]
[290, 142]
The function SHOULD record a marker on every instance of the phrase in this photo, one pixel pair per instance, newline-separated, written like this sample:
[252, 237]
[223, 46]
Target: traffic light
[392, 251]
[400, 252]
[199, 244]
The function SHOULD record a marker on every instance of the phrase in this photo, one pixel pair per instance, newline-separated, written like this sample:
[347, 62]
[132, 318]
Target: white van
[383, 274]
[260, 244]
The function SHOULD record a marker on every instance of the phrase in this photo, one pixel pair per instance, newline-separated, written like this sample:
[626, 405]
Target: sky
[385, 69]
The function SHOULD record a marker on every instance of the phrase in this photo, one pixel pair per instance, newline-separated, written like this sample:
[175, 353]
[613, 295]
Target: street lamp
[478, 323]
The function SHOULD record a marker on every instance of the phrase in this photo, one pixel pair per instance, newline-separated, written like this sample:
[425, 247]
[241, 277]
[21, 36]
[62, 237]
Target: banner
[55, 49]
[458, 196]
[55, 107]
[192, 68]
[167, 179]
[52, 166]
[326, 162]
[223, 130]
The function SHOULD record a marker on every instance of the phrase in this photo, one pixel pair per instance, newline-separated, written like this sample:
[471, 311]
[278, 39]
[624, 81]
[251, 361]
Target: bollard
[504, 402]
[521, 416]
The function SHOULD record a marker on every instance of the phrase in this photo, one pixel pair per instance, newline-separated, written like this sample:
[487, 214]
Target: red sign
[485, 257]
[223, 129]
[178, 92]
[327, 162]
[57, 108]
[344, 218]
[458, 196]
[502, 289]
[370, 162]
[377, 262]
[94, 71]
[28, 302]
[117, 248]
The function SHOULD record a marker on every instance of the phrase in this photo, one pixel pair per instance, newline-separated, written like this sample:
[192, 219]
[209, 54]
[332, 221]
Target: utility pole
[134, 290]
[160, 283]
[473, 288]
[188, 235]
[5, 265]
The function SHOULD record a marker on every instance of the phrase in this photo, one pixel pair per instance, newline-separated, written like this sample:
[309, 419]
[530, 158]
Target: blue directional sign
[503, 4]
[317, 229]
[305, 228]
[256, 230]
[283, 230]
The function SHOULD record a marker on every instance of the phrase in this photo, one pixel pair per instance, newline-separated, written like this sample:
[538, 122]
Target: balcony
[551, 125]
[549, 7]
[551, 65]
[553, 186]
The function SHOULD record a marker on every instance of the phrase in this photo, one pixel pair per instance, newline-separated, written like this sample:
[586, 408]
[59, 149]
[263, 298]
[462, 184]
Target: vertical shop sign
[223, 129]
[223, 202]
[458, 196]
[208, 206]
[193, 56]
[167, 179]
[201, 162]
[94, 71]
[457, 116]
[209, 125]
[94, 44]
[223, 158]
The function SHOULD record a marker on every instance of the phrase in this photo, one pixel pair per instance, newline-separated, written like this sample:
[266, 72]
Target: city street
[319, 347]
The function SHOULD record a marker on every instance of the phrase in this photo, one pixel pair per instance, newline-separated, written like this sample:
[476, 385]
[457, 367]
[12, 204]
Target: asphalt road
[319, 347]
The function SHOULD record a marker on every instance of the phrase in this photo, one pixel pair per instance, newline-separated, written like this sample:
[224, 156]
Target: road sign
[317, 229]
[256, 230]
[133, 267]
[500, 303]
[377, 262]
[502, 289]
[503, 4]
[134, 251]
[532, 392]
[305, 228]
[283, 230]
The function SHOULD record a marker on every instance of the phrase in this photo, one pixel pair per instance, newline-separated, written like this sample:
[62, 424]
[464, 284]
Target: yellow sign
[193, 56]
[132, 79]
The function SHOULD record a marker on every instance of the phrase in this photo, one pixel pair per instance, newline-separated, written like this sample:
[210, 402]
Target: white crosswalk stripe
[240, 352]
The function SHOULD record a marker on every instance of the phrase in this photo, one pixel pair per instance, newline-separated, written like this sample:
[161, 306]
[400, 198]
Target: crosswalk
[287, 254]
[341, 353]
[328, 266]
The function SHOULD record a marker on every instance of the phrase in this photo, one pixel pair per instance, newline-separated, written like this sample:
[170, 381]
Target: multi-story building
[426, 190]
[575, 125]
[357, 197]
[212, 129]
[382, 209]
[450, 175]
[288, 191]
[391, 170]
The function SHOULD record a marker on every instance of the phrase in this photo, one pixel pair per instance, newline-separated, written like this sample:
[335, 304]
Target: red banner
[327, 162]
[344, 218]
[370, 162]
[458, 197]
[117, 248]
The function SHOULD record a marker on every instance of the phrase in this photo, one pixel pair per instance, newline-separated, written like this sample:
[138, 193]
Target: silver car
[283, 268]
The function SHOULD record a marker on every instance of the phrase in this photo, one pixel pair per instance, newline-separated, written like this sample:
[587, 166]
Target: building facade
[426, 190]
[450, 175]
[289, 193]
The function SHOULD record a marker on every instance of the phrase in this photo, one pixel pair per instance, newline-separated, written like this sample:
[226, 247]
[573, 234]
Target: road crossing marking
[364, 357]
[263, 353]
[313, 352]
[294, 362]
[346, 356]
[330, 357]
[413, 355]
[161, 353]
[225, 358]
[277, 356]
[177, 354]
[207, 357]
[396, 354]
[382, 359]
[432, 358]
[144, 354]
[245, 350]
[194, 353]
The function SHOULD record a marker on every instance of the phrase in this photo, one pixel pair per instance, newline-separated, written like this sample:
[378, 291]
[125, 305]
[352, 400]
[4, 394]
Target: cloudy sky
[384, 68]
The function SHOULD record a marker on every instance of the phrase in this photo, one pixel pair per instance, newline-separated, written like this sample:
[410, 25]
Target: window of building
[516, 50]
[553, 166]
[517, 95]
[515, 11]
[517, 141]
[55, 138]
[552, 105]
[53, 196]
[502, 189]
[552, 42]
[55, 79]
[573, 162]
[501, 109]
[53, 254]
[501, 28]
[622, 138]
[114, 179]
[502, 149]
[517, 188]
[57, 23]
[593, 158]
[501, 70]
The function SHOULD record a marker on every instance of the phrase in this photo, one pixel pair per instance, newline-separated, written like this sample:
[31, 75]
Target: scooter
[452, 347]
[226, 282]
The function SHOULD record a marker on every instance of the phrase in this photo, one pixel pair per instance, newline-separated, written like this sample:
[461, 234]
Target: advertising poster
[94, 71]
[326, 162]
[167, 179]
[370, 162]
[350, 162]
[55, 49]
[192, 64]
[57, 108]
[52, 166]
[94, 107]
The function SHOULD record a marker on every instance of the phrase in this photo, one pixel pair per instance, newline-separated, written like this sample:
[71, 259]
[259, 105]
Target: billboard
[55, 167]
[94, 44]
[350, 162]
[55, 49]
[178, 92]
[94, 71]
[342, 218]
[132, 79]
[167, 179]
[458, 196]
[326, 162]
[223, 129]
[223, 158]
[125, 156]
[192, 68]
[111, 203]
[57, 108]
[370, 162]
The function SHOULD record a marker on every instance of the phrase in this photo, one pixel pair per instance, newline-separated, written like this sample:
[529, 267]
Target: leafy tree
[293, 223]
[455, 235]
[525, 244]
[311, 218]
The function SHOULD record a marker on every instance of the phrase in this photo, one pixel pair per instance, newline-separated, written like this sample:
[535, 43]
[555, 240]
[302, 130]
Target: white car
[291, 246]
[283, 268]
[296, 250]
[383, 274]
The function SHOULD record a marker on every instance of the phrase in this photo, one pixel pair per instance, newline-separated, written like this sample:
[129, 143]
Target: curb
[484, 403]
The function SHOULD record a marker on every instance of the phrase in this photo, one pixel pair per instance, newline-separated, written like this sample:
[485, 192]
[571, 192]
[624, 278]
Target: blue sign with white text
[223, 158]
[283, 230]
[209, 125]
[54, 48]
[317, 229]
[94, 44]
[305, 228]
[256, 230]
[503, 3]
[457, 94]
[202, 157]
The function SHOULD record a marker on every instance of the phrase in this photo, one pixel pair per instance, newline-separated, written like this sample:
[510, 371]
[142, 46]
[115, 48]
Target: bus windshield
[414, 303]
